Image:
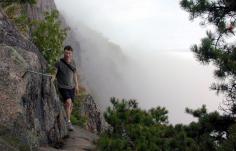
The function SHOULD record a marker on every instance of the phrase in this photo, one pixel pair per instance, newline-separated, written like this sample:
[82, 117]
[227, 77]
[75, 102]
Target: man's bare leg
[71, 107]
[68, 106]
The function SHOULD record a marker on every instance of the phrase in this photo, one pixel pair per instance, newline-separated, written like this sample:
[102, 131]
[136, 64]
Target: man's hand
[76, 84]
[53, 77]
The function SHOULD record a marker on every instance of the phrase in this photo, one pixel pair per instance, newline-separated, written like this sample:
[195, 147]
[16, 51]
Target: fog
[141, 50]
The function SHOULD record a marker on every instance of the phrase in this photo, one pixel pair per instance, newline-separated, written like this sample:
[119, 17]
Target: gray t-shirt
[65, 76]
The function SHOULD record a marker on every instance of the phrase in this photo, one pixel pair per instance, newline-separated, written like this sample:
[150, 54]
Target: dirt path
[79, 140]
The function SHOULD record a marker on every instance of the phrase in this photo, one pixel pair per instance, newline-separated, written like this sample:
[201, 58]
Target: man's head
[68, 52]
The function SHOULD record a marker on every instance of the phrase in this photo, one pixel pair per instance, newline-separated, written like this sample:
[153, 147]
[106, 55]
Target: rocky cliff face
[30, 110]
[90, 110]
[31, 113]
[36, 11]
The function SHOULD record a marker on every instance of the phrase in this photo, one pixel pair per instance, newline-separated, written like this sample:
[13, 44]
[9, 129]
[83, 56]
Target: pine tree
[216, 46]
[134, 129]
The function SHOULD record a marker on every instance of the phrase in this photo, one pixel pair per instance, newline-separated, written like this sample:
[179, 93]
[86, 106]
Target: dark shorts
[67, 94]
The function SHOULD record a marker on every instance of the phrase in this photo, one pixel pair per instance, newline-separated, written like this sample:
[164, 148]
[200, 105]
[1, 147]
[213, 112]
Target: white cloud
[160, 24]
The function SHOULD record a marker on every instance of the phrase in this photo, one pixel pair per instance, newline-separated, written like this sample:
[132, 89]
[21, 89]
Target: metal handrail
[35, 72]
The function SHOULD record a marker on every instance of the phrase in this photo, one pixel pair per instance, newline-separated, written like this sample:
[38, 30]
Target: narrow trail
[79, 140]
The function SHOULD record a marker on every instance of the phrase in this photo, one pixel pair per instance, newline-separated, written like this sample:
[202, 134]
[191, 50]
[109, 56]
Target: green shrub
[49, 37]
[76, 117]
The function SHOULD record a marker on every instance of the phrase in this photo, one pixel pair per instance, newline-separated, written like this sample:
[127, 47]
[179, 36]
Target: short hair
[68, 47]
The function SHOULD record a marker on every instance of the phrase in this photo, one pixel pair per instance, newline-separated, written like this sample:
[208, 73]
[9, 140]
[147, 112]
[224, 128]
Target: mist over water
[173, 80]
[136, 69]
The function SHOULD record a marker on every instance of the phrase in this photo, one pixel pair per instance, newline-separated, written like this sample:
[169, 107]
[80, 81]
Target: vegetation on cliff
[76, 117]
[47, 34]
[49, 37]
[16, 13]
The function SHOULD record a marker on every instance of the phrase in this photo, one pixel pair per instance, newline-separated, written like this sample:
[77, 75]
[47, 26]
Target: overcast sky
[157, 36]
[145, 24]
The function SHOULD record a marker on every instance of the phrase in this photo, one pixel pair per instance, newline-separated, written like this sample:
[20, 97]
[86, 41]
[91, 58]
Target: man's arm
[76, 82]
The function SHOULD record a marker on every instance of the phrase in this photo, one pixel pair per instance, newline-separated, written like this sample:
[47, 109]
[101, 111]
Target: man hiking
[66, 75]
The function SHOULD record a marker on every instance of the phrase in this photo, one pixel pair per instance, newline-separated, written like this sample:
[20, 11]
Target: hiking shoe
[69, 126]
